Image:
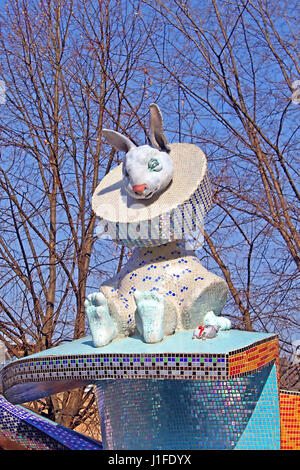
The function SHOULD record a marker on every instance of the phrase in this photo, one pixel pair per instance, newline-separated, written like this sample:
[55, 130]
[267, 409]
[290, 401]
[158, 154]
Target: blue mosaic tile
[263, 428]
[185, 414]
[37, 433]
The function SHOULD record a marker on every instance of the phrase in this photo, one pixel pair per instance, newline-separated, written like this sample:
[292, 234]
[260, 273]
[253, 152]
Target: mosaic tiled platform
[33, 432]
[231, 354]
[176, 394]
[290, 419]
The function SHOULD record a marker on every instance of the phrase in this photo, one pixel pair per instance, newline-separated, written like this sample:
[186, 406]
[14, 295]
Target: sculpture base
[186, 414]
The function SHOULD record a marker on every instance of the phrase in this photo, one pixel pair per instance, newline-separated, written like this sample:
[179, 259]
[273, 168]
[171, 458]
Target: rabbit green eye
[154, 165]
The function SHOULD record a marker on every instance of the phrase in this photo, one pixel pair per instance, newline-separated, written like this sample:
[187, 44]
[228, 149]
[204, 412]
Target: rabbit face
[146, 171]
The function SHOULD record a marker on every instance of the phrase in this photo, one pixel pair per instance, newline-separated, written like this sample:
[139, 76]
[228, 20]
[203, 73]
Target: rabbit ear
[118, 141]
[158, 137]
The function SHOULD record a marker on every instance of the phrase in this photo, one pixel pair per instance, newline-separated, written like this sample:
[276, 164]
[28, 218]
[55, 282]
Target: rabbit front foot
[150, 315]
[102, 326]
[212, 319]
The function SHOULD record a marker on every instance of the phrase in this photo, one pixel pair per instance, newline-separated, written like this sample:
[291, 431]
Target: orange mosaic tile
[247, 360]
[289, 420]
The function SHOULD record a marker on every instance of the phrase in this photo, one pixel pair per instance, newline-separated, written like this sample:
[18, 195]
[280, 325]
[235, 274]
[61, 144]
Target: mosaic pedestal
[177, 394]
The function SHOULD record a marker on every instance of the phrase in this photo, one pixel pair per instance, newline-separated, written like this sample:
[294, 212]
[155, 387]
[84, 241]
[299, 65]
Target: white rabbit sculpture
[162, 289]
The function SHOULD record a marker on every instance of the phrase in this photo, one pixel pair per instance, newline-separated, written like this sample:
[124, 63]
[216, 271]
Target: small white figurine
[205, 332]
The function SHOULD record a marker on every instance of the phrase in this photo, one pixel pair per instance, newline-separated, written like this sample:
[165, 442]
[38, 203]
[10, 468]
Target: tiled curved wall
[34, 432]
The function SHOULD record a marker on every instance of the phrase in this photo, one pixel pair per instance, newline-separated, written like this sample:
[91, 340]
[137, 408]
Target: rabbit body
[171, 279]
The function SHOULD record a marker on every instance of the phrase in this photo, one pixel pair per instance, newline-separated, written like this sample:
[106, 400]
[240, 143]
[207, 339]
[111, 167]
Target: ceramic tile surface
[218, 394]
[103, 365]
[290, 419]
[186, 414]
[34, 432]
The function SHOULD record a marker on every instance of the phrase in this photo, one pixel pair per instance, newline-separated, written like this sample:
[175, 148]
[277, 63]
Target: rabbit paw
[102, 327]
[150, 315]
[212, 319]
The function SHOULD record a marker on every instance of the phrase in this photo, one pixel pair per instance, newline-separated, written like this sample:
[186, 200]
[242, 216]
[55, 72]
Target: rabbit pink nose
[139, 188]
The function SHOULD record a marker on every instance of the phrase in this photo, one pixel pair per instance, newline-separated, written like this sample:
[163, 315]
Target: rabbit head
[146, 170]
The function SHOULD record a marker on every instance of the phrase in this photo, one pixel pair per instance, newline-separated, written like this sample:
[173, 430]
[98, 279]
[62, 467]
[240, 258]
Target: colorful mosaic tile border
[175, 366]
[290, 419]
[249, 359]
[34, 432]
